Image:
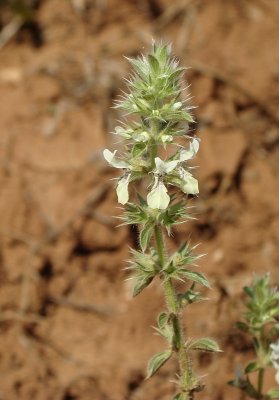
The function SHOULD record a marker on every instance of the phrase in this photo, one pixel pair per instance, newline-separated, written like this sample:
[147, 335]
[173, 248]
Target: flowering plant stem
[155, 100]
[174, 309]
[262, 312]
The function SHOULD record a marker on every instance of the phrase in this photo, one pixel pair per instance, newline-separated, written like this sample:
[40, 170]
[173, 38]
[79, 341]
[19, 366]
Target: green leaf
[153, 63]
[142, 281]
[197, 277]
[138, 149]
[179, 396]
[242, 326]
[189, 297]
[204, 344]
[162, 320]
[145, 236]
[177, 73]
[157, 362]
[251, 367]
[166, 330]
[164, 53]
[248, 291]
[273, 393]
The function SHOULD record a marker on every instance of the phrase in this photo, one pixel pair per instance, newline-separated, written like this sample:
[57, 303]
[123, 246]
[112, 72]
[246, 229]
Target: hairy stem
[260, 382]
[261, 356]
[174, 310]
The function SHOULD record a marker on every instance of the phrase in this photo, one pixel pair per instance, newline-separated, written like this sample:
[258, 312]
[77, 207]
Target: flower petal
[158, 197]
[141, 137]
[191, 152]
[164, 167]
[119, 130]
[190, 185]
[110, 158]
[122, 189]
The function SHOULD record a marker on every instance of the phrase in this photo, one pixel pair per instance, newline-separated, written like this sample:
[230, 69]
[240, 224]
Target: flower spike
[160, 116]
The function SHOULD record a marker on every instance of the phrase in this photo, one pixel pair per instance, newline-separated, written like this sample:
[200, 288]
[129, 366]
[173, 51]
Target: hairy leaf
[251, 367]
[145, 236]
[141, 282]
[162, 319]
[197, 277]
[157, 362]
[204, 344]
[242, 326]
[179, 396]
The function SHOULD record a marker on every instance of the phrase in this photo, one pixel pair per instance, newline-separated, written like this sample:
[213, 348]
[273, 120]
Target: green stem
[260, 382]
[261, 353]
[174, 310]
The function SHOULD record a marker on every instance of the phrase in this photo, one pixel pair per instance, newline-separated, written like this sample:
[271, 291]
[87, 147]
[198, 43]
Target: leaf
[162, 320]
[204, 344]
[189, 297]
[166, 330]
[142, 281]
[196, 277]
[248, 291]
[164, 52]
[179, 396]
[251, 367]
[156, 362]
[177, 73]
[153, 62]
[242, 326]
[273, 393]
[138, 149]
[145, 236]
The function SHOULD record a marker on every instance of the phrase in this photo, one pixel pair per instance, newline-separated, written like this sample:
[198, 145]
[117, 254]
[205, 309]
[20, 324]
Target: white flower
[141, 137]
[123, 183]
[164, 167]
[112, 160]
[166, 138]
[158, 197]
[190, 185]
[122, 189]
[122, 132]
[186, 155]
[274, 358]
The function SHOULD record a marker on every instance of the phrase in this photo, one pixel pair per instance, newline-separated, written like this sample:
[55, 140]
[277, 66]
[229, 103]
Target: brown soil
[69, 327]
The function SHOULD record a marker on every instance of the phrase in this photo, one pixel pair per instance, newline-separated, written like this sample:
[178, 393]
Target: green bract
[151, 155]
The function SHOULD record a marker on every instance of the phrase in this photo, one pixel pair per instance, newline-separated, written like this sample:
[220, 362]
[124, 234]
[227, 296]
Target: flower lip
[164, 167]
[112, 160]
[186, 155]
[122, 189]
[158, 198]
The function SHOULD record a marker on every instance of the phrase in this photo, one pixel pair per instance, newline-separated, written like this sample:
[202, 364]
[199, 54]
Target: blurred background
[69, 329]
